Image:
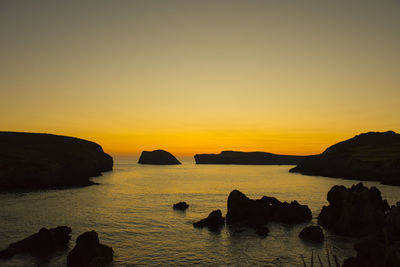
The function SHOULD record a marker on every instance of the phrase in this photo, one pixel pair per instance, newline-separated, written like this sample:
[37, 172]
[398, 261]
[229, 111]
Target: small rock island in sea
[158, 157]
[373, 156]
[33, 160]
[247, 158]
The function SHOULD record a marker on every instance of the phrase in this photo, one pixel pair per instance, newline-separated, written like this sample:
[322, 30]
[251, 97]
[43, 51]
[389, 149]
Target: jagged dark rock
[42, 243]
[158, 157]
[32, 160]
[381, 248]
[373, 156]
[88, 252]
[180, 206]
[357, 211]
[247, 158]
[242, 209]
[312, 233]
[214, 220]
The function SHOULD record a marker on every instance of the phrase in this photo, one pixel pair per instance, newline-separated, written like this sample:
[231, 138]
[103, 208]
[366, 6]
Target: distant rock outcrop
[312, 233]
[242, 209]
[31, 160]
[214, 220]
[158, 157]
[42, 243]
[371, 156]
[180, 206]
[247, 158]
[88, 252]
[357, 211]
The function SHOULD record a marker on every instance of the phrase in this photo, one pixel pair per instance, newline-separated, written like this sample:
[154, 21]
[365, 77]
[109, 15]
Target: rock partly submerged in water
[242, 209]
[180, 206]
[262, 231]
[381, 248]
[32, 160]
[42, 243]
[312, 233]
[88, 252]
[158, 157]
[373, 156]
[214, 220]
[356, 211]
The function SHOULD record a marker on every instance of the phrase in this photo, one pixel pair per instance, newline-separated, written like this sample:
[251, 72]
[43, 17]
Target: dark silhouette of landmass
[33, 160]
[373, 156]
[247, 158]
[41, 243]
[158, 157]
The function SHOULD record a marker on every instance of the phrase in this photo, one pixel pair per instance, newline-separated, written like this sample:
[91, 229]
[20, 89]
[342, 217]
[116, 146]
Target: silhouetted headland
[158, 157]
[373, 156]
[33, 160]
[247, 158]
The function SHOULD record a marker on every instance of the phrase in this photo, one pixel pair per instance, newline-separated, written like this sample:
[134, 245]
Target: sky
[287, 77]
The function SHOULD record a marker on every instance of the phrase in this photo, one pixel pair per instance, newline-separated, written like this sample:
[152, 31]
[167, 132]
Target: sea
[131, 210]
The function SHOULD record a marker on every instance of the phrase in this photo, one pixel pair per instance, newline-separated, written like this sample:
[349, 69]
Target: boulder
[242, 209]
[312, 233]
[180, 206]
[88, 252]
[357, 211]
[32, 160]
[381, 248]
[262, 231]
[42, 243]
[158, 157]
[214, 220]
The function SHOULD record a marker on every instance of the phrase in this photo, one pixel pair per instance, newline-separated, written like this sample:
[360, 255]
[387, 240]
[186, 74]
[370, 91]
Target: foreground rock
[247, 158]
[242, 209]
[180, 206]
[357, 211]
[312, 233]
[31, 160]
[373, 156]
[158, 157]
[262, 231]
[214, 220]
[88, 252]
[42, 243]
[381, 248]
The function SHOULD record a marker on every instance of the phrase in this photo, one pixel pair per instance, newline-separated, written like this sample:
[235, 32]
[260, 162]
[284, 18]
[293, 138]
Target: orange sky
[190, 77]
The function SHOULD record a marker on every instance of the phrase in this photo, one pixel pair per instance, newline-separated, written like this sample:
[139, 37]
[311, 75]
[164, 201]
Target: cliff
[247, 158]
[373, 156]
[32, 160]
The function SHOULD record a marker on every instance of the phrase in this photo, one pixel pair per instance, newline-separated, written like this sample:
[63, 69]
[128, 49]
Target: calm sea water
[132, 212]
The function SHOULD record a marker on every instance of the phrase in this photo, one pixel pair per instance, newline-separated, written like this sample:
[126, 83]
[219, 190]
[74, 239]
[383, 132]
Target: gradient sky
[201, 76]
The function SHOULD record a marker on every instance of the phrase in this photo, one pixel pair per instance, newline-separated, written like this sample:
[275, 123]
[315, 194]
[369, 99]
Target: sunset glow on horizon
[190, 77]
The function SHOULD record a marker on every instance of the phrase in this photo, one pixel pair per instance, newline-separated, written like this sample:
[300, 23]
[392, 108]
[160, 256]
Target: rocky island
[33, 160]
[247, 158]
[373, 156]
[158, 157]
